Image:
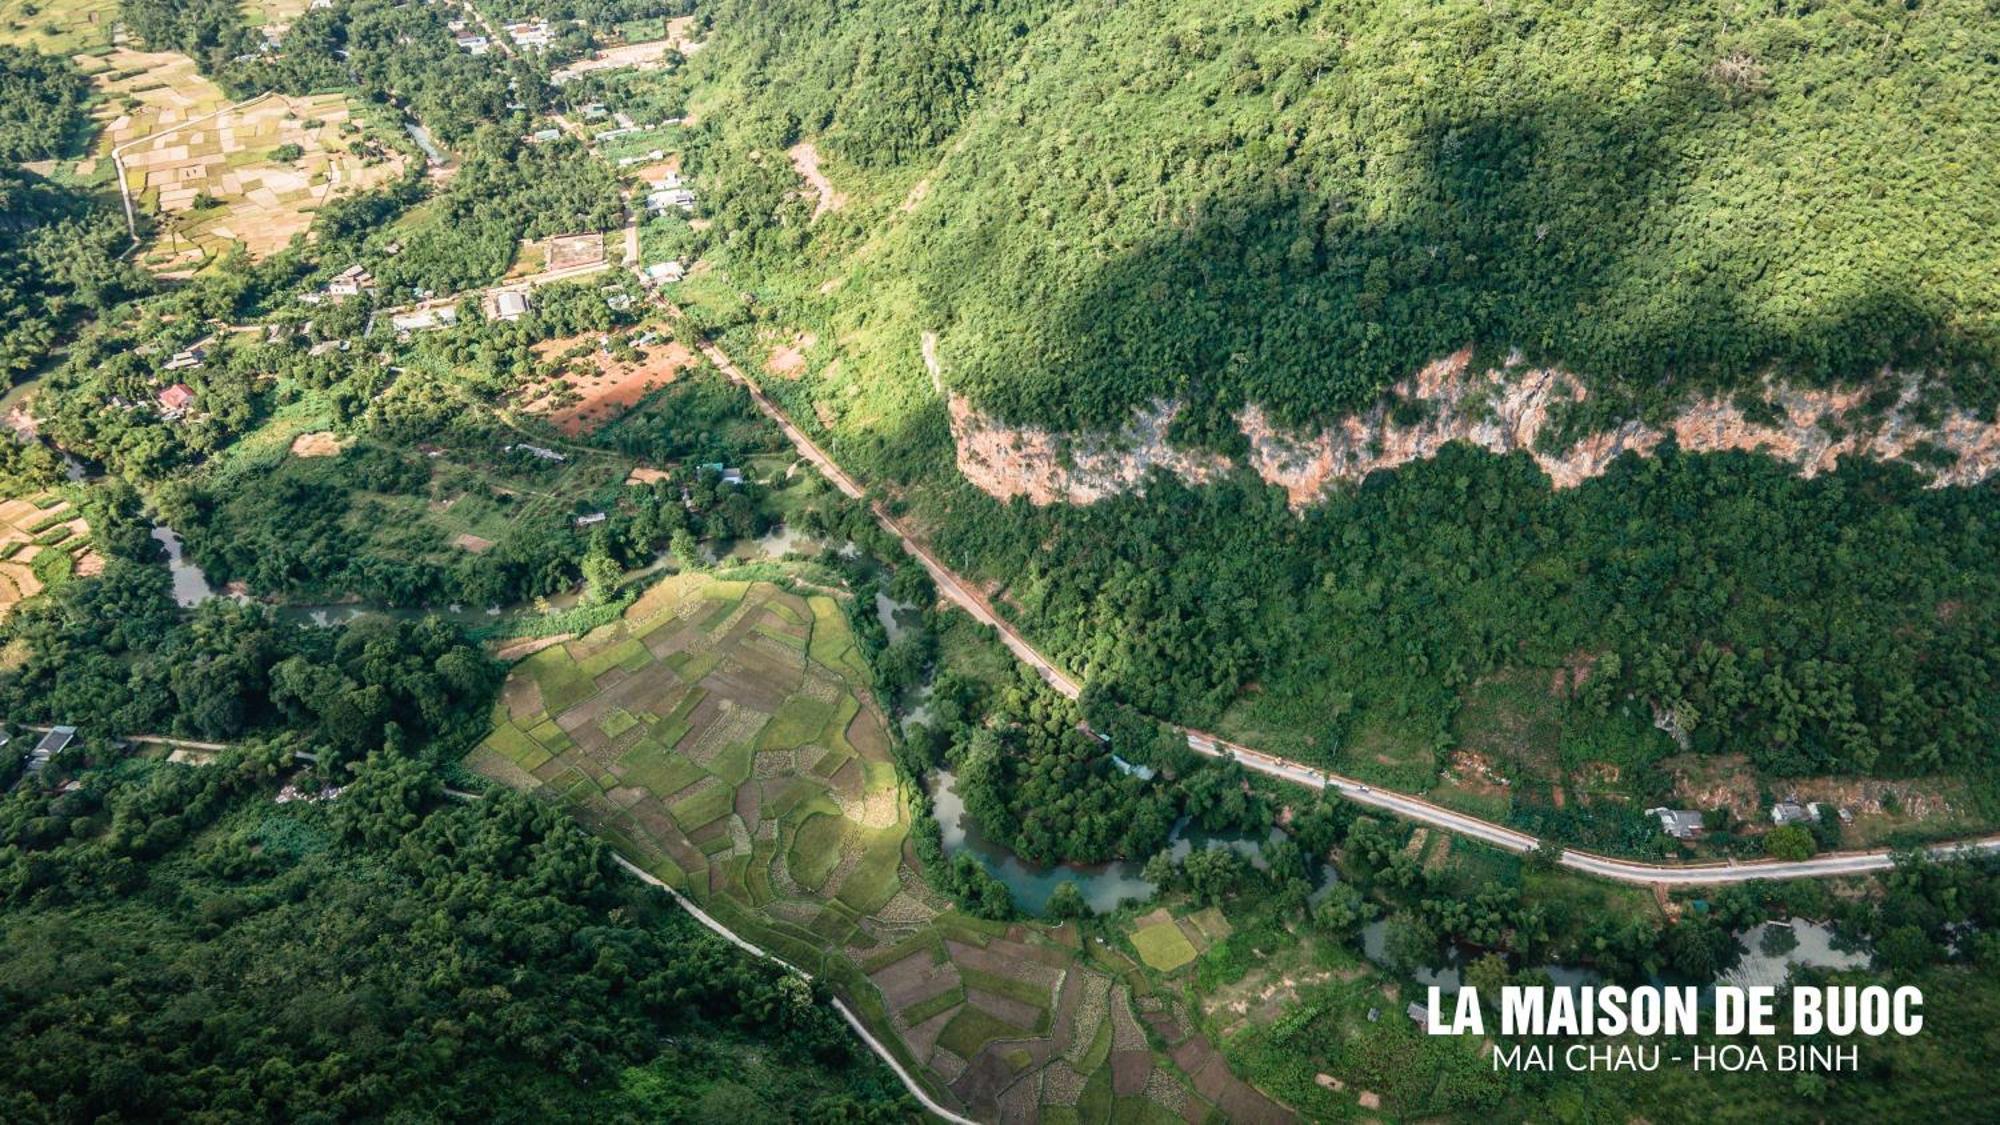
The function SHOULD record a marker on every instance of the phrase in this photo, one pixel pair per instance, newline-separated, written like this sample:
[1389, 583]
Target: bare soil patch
[788, 361]
[805, 161]
[593, 389]
[319, 443]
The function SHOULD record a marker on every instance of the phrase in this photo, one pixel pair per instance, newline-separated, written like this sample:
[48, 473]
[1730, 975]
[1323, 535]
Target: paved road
[967, 597]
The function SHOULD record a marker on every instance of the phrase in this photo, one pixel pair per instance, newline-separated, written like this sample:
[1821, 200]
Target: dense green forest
[59, 246]
[177, 945]
[1299, 203]
[1838, 625]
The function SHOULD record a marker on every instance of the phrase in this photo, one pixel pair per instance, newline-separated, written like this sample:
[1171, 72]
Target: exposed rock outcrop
[1049, 467]
[1502, 410]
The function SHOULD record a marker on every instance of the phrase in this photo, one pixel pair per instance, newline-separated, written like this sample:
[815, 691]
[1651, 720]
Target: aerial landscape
[670, 560]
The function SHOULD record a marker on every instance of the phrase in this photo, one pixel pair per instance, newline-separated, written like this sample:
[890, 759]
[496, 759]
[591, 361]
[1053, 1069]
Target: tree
[1342, 912]
[1547, 856]
[1067, 902]
[684, 548]
[600, 570]
[1778, 939]
[1789, 842]
[1214, 874]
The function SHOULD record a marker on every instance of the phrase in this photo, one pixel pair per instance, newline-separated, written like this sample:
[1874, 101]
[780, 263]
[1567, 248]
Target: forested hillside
[1298, 203]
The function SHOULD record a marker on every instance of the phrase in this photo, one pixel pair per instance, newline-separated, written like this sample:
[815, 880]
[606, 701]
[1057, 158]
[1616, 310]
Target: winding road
[967, 596]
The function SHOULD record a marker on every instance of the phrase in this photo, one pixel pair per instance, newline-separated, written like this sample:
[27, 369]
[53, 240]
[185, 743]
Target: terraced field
[42, 538]
[721, 735]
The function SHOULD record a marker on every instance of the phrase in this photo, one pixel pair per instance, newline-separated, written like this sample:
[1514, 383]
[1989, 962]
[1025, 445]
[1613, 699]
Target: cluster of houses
[669, 193]
[1686, 824]
[350, 282]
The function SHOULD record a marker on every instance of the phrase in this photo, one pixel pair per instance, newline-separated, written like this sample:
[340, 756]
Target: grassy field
[721, 735]
[58, 27]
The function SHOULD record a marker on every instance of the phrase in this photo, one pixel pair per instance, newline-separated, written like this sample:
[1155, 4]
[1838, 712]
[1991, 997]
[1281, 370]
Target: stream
[1104, 885]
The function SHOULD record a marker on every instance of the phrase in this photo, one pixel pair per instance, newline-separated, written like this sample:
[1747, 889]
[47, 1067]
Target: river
[1104, 885]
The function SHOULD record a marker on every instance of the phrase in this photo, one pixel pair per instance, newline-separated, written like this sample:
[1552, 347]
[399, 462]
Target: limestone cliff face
[1502, 410]
[1049, 467]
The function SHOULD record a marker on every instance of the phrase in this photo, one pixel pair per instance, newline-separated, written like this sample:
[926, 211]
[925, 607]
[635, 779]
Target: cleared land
[721, 736]
[596, 387]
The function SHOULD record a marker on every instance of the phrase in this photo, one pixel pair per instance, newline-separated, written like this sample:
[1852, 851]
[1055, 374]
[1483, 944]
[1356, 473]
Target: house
[421, 320]
[536, 451]
[544, 136]
[624, 120]
[531, 33]
[188, 359]
[642, 158]
[663, 273]
[659, 202]
[593, 111]
[54, 742]
[1681, 824]
[591, 518]
[732, 476]
[350, 282]
[175, 400]
[510, 305]
[1791, 812]
[325, 347]
[1418, 1013]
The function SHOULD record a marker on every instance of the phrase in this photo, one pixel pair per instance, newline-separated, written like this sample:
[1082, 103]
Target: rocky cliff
[1499, 409]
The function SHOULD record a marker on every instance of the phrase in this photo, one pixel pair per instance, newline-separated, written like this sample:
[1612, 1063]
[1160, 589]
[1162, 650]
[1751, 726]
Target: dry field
[213, 179]
[595, 388]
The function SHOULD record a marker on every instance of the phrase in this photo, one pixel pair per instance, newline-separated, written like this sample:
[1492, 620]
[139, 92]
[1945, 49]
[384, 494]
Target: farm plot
[146, 92]
[43, 539]
[721, 736]
[250, 175]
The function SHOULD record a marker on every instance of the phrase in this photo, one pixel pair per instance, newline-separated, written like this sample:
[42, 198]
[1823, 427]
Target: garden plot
[43, 539]
[250, 175]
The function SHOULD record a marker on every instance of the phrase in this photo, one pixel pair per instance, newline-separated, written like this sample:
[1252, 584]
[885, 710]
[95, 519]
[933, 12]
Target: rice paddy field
[722, 736]
[43, 538]
[250, 175]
